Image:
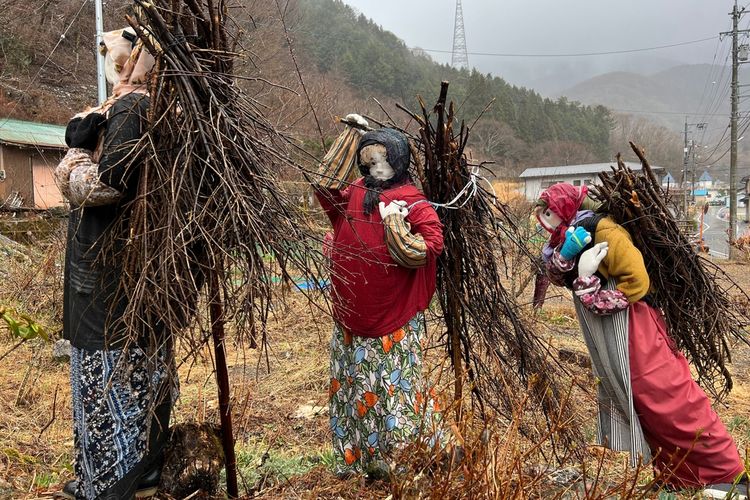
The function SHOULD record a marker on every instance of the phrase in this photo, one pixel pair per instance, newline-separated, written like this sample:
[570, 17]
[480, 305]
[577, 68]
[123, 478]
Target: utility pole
[101, 81]
[736, 14]
[684, 173]
[689, 150]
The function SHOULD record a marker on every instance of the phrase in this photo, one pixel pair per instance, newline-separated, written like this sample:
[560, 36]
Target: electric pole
[736, 14]
[684, 173]
[687, 151]
[101, 81]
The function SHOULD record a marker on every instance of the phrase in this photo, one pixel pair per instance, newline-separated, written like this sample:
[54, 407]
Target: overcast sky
[561, 27]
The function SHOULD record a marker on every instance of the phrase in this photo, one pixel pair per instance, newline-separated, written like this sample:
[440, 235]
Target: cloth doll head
[557, 207]
[383, 157]
[126, 61]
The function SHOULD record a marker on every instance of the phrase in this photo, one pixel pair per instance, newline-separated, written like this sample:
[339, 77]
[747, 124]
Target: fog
[526, 30]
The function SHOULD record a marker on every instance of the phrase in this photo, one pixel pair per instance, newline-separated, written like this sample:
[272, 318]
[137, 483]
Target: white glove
[591, 258]
[395, 207]
[355, 118]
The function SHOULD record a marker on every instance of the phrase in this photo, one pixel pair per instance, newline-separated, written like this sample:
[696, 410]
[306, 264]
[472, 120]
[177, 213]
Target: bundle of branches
[693, 293]
[493, 348]
[208, 197]
[209, 207]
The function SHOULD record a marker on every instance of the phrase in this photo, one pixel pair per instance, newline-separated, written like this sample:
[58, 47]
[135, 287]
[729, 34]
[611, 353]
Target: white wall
[533, 187]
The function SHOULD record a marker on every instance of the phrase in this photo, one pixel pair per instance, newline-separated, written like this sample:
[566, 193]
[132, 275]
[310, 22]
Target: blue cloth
[547, 251]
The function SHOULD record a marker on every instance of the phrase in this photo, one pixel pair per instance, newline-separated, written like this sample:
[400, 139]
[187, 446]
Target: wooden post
[222, 381]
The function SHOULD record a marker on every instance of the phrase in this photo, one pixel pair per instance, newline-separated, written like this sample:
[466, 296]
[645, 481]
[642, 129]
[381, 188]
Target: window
[577, 182]
[587, 182]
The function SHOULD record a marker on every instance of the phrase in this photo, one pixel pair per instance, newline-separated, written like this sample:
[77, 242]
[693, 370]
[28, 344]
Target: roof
[31, 133]
[700, 192]
[705, 177]
[589, 168]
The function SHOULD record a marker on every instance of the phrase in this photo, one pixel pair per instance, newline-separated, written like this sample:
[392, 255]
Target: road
[715, 231]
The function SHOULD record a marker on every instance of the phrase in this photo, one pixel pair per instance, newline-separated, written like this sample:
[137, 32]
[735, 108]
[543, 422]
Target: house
[668, 181]
[536, 180]
[29, 151]
[705, 181]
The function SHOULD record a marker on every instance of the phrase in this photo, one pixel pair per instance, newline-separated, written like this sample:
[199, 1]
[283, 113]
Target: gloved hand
[355, 118]
[591, 258]
[84, 132]
[395, 207]
[575, 240]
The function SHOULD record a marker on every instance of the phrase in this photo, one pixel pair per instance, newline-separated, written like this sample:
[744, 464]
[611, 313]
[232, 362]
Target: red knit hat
[564, 200]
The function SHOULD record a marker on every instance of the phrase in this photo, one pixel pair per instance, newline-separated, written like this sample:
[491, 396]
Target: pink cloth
[564, 200]
[674, 412]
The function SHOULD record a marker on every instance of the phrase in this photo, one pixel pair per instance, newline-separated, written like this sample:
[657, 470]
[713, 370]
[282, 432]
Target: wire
[49, 56]
[579, 54]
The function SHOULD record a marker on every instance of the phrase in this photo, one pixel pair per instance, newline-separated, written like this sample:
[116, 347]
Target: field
[280, 410]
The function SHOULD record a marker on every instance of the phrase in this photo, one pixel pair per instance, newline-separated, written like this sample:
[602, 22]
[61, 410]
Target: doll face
[547, 218]
[374, 157]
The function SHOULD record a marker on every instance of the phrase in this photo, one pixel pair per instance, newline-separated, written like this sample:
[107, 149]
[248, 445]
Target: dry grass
[281, 413]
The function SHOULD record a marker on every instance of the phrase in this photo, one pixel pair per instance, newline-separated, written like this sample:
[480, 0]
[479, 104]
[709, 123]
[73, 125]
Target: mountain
[344, 59]
[552, 77]
[375, 61]
[665, 97]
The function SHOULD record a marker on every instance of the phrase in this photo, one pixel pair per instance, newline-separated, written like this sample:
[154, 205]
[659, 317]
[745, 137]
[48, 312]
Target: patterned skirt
[116, 396]
[378, 399]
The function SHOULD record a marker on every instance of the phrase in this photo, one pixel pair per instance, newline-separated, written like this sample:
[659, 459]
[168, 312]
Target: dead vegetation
[281, 422]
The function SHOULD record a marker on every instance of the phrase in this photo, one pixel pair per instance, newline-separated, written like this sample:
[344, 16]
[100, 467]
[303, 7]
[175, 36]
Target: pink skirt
[691, 446]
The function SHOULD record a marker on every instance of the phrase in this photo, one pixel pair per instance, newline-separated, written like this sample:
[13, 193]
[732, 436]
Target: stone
[61, 350]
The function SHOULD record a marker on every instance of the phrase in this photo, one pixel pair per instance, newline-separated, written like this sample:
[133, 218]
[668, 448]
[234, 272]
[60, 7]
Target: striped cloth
[607, 341]
[406, 249]
[339, 167]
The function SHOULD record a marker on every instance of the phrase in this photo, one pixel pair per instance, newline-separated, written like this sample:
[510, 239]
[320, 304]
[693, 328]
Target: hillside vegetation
[378, 63]
[345, 60]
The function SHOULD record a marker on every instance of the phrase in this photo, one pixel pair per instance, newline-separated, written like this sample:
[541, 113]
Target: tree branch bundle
[493, 348]
[693, 293]
[209, 199]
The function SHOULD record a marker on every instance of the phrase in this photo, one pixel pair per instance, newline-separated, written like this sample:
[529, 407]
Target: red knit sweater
[372, 295]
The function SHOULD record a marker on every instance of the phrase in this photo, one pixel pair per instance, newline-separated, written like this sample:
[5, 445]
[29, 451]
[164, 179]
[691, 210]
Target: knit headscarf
[564, 200]
[398, 156]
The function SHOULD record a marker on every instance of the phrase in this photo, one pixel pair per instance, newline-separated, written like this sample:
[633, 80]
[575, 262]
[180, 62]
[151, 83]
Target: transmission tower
[460, 57]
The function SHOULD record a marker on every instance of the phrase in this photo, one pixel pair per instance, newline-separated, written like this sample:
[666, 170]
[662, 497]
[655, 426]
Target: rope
[471, 187]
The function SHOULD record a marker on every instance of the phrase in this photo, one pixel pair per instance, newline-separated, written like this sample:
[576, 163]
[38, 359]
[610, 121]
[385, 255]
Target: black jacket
[93, 303]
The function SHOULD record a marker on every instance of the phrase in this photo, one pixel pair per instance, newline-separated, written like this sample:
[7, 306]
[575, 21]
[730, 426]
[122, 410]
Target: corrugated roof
[589, 168]
[31, 133]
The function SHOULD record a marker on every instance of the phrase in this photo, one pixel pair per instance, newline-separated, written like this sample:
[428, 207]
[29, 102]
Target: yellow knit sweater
[623, 262]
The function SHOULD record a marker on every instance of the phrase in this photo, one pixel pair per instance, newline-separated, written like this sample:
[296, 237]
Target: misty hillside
[375, 61]
[665, 97]
[346, 60]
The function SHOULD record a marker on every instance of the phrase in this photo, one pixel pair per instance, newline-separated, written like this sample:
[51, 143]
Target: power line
[578, 54]
[49, 56]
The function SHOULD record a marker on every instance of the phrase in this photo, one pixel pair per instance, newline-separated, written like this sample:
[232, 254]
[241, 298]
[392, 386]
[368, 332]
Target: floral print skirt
[377, 395]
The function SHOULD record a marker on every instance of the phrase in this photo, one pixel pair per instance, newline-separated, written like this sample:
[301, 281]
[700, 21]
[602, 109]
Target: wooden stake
[222, 381]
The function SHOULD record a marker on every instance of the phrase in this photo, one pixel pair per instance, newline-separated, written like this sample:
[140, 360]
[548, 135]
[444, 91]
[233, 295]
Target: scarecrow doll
[384, 249]
[649, 403]
[120, 384]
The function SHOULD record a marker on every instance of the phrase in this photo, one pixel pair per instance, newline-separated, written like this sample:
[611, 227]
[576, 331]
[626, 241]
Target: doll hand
[591, 258]
[355, 118]
[84, 132]
[394, 208]
[575, 241]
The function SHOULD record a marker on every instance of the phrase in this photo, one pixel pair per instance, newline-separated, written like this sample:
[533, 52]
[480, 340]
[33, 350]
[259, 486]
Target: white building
[536, 180]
